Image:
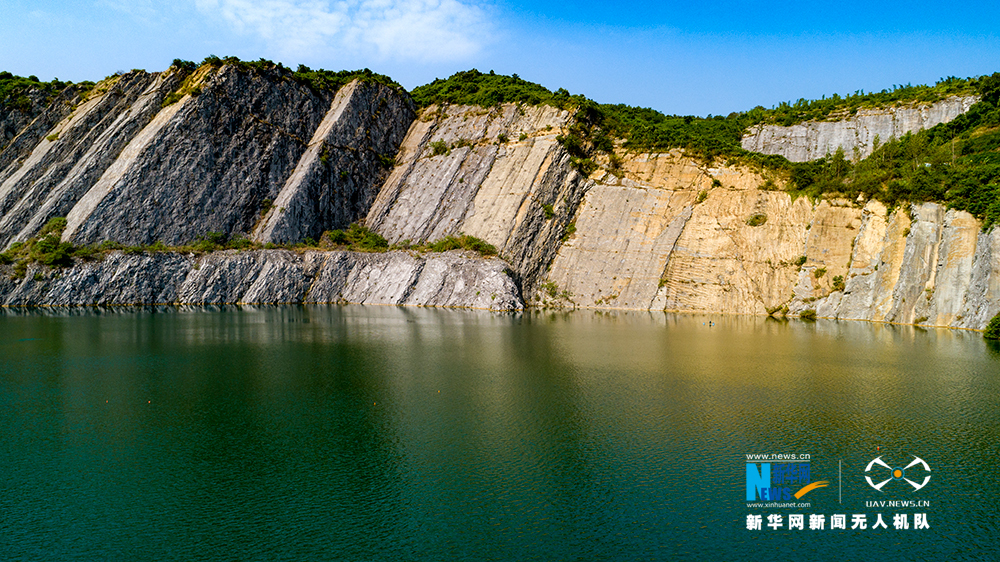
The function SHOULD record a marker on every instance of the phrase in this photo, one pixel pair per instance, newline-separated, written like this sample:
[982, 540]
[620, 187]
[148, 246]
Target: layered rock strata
[498, 174]
[855, 134]
[255, 154]
[451, 279]
[240, 151]
[673, 234]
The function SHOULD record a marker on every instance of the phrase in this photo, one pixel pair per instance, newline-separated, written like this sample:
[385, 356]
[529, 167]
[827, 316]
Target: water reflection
[383, 432]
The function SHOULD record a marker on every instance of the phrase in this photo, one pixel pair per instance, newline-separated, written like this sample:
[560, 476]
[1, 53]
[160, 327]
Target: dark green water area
[381, 433]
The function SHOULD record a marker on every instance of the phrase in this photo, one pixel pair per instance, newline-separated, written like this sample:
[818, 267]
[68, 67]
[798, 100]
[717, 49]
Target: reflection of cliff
[260, 156]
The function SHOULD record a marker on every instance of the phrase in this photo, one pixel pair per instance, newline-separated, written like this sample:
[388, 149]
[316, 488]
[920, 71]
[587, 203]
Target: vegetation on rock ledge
[993, 329]
[955, 163]
[316, 80]
[47, 249]
[14, 90]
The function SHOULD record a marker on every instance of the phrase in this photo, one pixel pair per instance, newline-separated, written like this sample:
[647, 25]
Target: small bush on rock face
[439, 147]
[993, 329]
[463, 242]
[808, 314]
[358, 238]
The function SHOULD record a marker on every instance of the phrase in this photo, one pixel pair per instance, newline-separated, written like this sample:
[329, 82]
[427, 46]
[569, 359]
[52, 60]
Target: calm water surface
[376, 433]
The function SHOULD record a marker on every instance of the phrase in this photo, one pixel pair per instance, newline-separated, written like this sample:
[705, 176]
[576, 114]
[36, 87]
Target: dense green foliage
[993, 329]
[475, 88]
[14, 90]
[462, 242]
[45, 248]
[596, 124]
[357, 238]
[835, 106]
[957, 163]
[644, 129]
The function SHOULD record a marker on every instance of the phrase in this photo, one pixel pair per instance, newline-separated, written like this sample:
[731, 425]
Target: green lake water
[381, 433]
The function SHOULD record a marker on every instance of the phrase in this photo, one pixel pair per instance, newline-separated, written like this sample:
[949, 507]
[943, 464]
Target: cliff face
[815, 139]
[270, 277]
[21, 128]
[260, 155]
[495, 173]
[122, 167]
[663, 238]
[69, 158]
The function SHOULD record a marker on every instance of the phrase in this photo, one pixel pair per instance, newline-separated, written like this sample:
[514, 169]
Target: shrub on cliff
[463, 242]
[992, 331]
[14, 90]
[357, 238]
[46, 248]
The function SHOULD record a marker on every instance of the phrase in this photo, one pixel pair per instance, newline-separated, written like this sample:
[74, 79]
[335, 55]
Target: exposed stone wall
[815, 139]
[663, 238]
[664, 232]
[120, 166]
[451, 279]
[501, 170]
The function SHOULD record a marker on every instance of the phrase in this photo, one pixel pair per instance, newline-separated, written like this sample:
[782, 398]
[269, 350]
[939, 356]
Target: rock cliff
[269, 277]
[252, 153]
[662, 237]
[495, 173]
[815, 139]
[237, 143]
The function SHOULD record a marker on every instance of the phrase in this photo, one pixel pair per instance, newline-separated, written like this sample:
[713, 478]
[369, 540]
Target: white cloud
[422, 30]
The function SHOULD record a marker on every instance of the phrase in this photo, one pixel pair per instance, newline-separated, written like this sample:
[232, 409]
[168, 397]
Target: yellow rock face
[672, 234]
[668, 232]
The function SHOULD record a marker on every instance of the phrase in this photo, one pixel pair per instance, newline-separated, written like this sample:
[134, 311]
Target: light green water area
[380, 433]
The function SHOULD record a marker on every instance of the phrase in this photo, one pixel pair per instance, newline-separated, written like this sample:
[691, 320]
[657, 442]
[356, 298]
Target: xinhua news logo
[789, 476]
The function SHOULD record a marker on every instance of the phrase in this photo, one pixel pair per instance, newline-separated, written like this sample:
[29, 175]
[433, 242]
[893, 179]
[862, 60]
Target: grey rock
[127, 169]
[117, 280]
[398, 278]
[338, 176]
[451, 279]
[60, 172]
[815, 139]
[484, 187]
[21, 129]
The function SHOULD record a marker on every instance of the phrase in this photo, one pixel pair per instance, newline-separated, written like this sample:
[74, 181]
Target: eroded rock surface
[243, 151]
[257, 155]
[815, 139]
[674, 234]
[495, 173]
[452, 279]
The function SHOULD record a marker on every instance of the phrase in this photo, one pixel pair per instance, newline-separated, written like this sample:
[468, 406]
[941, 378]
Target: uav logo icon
[898, 473]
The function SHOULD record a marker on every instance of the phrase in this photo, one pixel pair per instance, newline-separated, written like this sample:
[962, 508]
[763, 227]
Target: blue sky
[678, 57]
